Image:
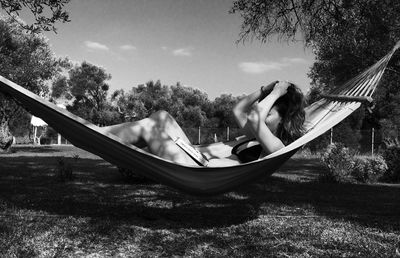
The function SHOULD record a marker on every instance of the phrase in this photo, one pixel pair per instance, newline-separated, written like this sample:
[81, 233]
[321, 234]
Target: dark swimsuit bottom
[247, 151]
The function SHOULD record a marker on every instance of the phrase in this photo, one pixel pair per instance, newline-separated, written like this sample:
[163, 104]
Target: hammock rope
[320, 117]
[358, 89]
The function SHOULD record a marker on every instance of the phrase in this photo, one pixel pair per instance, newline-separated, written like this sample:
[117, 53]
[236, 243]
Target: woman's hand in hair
[281, 87]
[266, 89]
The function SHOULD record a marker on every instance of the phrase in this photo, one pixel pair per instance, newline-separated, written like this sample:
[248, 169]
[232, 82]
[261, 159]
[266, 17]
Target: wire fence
[196, 135]
[364, 141]
[205, 135]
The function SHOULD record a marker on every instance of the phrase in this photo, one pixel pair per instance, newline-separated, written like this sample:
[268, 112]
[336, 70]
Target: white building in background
[37, 122]
[59, 135]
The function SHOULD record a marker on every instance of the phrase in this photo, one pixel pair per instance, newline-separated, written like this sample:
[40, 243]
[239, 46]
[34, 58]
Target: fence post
[372, 141]
[199, 135]
[227, 133]
[332, 135]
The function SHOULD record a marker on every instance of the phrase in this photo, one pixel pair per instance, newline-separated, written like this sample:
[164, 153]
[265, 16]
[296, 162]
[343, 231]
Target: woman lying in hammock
[270, 117]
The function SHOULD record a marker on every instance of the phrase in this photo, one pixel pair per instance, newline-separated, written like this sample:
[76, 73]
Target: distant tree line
[86, 88]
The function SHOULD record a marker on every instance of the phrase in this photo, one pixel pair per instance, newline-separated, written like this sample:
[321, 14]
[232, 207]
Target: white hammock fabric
[320, 117]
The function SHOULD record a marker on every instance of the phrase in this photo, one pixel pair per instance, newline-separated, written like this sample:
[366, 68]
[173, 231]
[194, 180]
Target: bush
[369, 169]
[392, 158]
[339, 163]
[343, 166]
[306, 153]
[44, 140]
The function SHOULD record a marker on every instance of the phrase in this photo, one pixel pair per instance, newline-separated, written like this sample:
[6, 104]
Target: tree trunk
[6, 138]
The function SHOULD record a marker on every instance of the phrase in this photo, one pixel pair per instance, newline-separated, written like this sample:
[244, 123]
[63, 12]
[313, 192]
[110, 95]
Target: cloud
[127, 47]
[263, 67]
[164, 48]
[96, 46]
[182, 52]
[259, 67]
[294, 60]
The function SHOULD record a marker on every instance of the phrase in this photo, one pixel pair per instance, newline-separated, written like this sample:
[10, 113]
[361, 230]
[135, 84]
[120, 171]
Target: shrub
[306, 152]
[343, 166]
[369, 169]
[44, 140]
[339, 163]
[392, 157]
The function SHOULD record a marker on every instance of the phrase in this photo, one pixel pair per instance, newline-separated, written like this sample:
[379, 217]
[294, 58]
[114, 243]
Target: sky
[191, 42]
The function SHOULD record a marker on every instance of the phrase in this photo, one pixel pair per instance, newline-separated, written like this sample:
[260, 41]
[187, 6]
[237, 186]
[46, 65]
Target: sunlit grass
[98, 214]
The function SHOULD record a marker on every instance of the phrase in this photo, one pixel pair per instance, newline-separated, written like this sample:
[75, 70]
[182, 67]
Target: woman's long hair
[291, 109]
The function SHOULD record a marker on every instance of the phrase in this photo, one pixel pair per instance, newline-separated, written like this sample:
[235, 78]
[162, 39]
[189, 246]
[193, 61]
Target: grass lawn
[99, 214]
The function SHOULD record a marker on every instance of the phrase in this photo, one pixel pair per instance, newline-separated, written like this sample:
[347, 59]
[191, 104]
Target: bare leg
[129, 132]
[159, 132]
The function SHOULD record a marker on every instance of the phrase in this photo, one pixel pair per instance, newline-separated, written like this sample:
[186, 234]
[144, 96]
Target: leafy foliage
[392, 156]
[6, 138]
[86, 86]
[339, 163]
[364, 32]
[190, 107]
[318, 21]
[87, 83]
[39, 9]
[223, 106]
[27, 60]
[344, 166]
[369, 169]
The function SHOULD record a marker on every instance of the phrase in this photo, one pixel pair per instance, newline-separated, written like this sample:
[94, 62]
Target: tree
[154, 96]
[38, 9]
[27, 60]
[189, 106]
[264, 19]
[86, 84]
[351, 46]
[59, 88]
[128, 105]
[223, 106]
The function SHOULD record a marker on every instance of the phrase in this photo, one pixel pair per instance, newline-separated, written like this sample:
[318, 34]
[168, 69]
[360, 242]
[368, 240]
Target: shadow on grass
[295, 189]
[100, 192]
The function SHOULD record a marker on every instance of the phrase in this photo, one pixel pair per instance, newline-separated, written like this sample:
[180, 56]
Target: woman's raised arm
[258, 116]
[244, 106]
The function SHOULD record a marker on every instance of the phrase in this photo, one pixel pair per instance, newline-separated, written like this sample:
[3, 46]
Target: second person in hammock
[270, 117]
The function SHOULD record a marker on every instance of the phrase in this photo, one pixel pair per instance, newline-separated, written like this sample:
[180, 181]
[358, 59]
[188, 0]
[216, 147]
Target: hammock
[320, 117]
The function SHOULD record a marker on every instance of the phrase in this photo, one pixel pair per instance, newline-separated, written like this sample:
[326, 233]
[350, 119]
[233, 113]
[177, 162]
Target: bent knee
[162, 117]
[160, 114]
